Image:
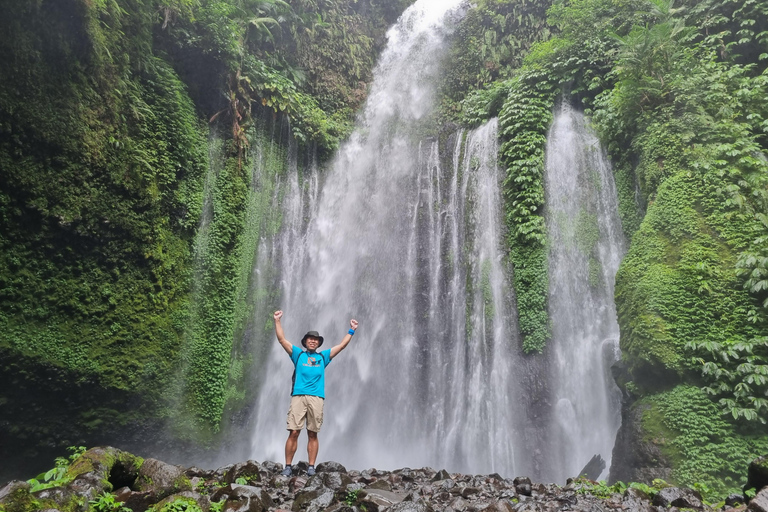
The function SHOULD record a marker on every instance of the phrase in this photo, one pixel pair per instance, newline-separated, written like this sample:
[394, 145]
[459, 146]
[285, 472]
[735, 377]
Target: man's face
[312, 343]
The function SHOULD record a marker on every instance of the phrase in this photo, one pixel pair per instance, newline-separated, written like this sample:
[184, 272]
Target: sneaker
[311, 471]
[287, 471]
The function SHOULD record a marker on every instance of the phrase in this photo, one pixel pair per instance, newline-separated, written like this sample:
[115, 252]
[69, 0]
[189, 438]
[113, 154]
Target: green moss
[701, 445]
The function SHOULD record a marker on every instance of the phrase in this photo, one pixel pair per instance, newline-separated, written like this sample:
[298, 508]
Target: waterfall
[586, 246]
[406, 235]
[407, 238]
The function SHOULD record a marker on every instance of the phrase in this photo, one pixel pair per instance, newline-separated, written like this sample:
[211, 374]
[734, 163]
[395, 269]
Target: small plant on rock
[106, 502]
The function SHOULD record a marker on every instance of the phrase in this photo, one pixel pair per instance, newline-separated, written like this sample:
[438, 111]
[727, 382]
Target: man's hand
[352, 323]
[345, 341]
[277, 315]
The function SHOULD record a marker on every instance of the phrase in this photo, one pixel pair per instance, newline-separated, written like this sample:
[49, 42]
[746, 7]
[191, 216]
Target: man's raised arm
[347, 338]
[280, 335]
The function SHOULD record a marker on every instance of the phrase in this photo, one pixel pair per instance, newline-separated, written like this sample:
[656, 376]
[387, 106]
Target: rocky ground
[107, 479]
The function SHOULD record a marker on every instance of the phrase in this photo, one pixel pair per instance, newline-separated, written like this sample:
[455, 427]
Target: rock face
[259, 487]
[757, 474]
[634, 459]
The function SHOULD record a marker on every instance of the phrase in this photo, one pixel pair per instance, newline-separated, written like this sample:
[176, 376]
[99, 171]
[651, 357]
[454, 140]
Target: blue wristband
[351, 332]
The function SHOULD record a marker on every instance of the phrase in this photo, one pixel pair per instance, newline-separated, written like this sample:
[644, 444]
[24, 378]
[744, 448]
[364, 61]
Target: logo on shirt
[312, 361]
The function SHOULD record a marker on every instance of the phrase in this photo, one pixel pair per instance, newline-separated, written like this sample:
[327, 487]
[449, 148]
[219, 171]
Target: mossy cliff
[110, 293]
[674, 91]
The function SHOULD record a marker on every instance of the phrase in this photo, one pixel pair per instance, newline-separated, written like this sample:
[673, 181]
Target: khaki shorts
[306, 407]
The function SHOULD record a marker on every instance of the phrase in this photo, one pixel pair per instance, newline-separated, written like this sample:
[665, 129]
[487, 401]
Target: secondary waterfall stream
[405, 233]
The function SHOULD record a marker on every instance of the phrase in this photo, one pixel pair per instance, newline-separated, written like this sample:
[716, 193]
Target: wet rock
[523, 485]
[635, 457]
[757, 474]
[248, 470]
[678, 497]
[380, 484]
[14, 486]
[313, 501]
[380, 498]
[498, 506]
[760, 502]
[161, 478]
[334, 480]
[136, 501]
[734, 500]
[593, 468]
[187, 497]
[441, 475]
[246, 498]
[331, 467]
[466, 492]
[272, 467]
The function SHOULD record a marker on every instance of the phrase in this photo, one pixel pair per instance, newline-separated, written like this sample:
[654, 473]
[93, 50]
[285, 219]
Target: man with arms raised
[308, 391]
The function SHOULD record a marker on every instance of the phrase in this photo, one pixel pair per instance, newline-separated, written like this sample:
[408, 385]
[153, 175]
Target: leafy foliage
[705, 449]
[57, 476]
[524, 121]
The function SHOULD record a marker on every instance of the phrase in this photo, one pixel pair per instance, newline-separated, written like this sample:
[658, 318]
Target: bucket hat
[312, 334]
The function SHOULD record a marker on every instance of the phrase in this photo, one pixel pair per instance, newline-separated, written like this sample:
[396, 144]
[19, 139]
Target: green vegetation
[106, 502]
[59, 475]
[704, 448]
[109, 291]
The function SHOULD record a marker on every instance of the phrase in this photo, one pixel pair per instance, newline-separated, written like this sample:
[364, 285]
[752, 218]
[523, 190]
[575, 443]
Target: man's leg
[290, 446]
[312, 446]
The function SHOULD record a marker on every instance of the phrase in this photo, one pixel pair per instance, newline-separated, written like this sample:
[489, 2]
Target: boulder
[248, 470]
[593, 468]
[523, 485]
[13, 487]
[734, 500]
[136, 501]
[380, 498]
[757, 474]
[760, 502]
[161, 479]
[334, 480]
[380, 484]
[246, 498]
[331, 467]
[680, 497]
[313, 501]
[636, 456]
[441, 475]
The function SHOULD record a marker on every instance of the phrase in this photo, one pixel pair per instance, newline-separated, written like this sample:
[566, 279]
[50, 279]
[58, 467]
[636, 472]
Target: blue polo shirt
[309, 378]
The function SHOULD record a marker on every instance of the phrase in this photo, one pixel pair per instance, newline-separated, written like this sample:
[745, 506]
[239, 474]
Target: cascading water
[405, 237]
[586, 246]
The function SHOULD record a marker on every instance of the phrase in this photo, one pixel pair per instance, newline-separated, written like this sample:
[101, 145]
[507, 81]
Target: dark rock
[760, 502]
[594, 468]
[757, 474]
[162, 479]
[636, 457]
[330, 467]
[466, 492]
[248, 470]
[441, 475]
[380, 484]
[523, 485]
[678, 497]
[498, 506]
[11, 487]
[272, 467]
[313, 501]
[245, 498]
[334, 480]
[103, 468]
[199, 473]
[136, 501]
[735, 499]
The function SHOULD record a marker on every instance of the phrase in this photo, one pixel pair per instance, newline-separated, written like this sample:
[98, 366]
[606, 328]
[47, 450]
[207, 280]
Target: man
[308, 391]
